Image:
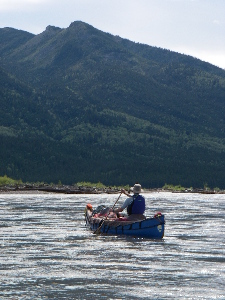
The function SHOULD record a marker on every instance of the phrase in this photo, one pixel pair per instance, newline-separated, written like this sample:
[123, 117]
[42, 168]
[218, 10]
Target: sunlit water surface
[47, 252]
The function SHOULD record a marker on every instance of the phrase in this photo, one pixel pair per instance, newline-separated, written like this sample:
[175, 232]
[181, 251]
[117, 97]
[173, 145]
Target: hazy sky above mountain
[194, 27]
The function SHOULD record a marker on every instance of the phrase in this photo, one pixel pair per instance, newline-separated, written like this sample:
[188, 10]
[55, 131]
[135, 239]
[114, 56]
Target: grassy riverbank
[9, 185]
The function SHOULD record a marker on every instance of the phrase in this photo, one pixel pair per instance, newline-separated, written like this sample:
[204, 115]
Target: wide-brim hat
[136, 189]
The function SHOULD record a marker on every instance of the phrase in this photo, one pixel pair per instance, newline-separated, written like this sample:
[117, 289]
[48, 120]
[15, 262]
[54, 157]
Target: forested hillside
[78, 104]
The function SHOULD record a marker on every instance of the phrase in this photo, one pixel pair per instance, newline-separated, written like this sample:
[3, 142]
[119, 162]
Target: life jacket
[137, 206]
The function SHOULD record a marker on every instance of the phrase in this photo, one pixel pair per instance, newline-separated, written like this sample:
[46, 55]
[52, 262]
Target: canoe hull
[149, 228]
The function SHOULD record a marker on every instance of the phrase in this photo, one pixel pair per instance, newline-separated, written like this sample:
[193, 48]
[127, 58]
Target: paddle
[103, 220]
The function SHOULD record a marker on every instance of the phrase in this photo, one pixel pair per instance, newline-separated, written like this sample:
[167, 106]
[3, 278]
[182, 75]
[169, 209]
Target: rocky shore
[74, 189]
[64, 189]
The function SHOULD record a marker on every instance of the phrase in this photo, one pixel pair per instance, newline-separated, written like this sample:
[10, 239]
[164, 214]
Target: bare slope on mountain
[112, 102]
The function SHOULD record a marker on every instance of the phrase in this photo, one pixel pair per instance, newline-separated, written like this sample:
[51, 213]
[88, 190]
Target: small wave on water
[47, 252]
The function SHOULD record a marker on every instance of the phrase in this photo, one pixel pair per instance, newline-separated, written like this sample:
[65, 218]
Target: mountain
[96, 107]
[12, 38]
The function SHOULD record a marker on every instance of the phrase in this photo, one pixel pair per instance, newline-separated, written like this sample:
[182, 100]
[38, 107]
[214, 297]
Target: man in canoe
[135, 204]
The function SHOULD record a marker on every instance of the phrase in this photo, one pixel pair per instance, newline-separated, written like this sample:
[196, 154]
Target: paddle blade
[98, 230]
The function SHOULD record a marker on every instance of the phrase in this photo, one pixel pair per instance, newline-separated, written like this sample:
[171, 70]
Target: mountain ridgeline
[79, 104]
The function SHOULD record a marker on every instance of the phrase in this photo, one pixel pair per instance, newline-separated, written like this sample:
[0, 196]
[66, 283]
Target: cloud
[12, 5]
[217, 22]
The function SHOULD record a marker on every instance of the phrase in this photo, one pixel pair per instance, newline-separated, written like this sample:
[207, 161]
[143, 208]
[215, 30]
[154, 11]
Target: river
[47, 252]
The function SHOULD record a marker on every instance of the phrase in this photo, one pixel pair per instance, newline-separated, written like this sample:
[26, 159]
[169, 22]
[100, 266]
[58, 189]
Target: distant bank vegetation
[7, 181]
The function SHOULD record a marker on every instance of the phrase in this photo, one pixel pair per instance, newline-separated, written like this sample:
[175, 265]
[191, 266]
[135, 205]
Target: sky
[192, 27]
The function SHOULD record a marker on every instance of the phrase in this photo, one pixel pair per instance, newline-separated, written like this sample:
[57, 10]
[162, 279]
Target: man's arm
[125, 192]
[125, 204]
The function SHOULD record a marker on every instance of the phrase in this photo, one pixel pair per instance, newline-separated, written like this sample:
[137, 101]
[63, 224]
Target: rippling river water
[47, 252]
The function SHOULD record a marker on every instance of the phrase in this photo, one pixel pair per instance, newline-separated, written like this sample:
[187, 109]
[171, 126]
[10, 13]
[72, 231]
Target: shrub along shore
[8, 185]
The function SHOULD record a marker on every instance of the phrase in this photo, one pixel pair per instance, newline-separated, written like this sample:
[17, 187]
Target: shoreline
[65, 189]
[46, 189]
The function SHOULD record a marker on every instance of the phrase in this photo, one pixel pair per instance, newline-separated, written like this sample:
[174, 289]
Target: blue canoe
[148, 228]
